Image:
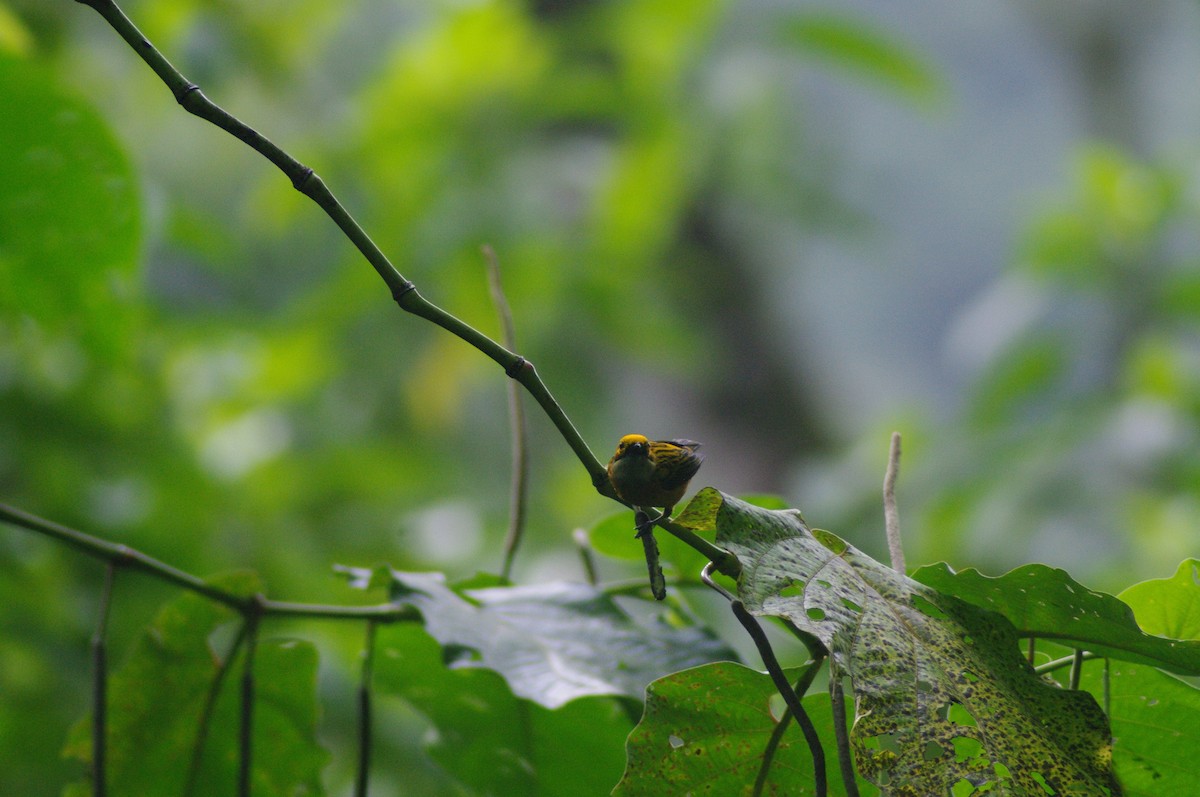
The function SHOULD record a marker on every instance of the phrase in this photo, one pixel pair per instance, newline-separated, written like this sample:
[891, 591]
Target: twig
[307, 182]
[585, 554]
[658, 584]
[516, 421]
[820, 785]
[1076, 669]
[790, 695]
[800, 687]
[206, 714]
[891, 516]
[100, 687]
[1058, 664]
[124, 556]
[246, 730]
[364, 713]
[724, 561]
[841, 736]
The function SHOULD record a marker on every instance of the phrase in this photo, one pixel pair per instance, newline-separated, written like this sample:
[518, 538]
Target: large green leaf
[705, 731]
[1156, 728]
[1169, 607]
[68, 204]
[493, 741]
[157, 699]
[1047, 603]
[554, 642]
[932, 675]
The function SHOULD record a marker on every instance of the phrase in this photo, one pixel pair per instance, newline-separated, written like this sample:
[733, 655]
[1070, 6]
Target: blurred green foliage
[194, 362]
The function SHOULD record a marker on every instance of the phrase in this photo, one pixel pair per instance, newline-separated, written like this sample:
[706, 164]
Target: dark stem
[658, 584]
[1076, 668]
[790, 697]
[246, 729]
[364, 713]
[100, 687]
[800, 687]
[840, 734]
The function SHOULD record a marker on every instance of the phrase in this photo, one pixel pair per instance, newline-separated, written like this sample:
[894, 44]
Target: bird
[653, 473]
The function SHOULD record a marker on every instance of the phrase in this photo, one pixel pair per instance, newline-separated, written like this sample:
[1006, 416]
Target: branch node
[516, 367]
[406, 287]
[181, 94]
[301, 178]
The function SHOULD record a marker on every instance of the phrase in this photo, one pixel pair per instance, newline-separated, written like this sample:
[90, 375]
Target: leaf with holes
[945, 704]
[1049, 604]
[554, 642]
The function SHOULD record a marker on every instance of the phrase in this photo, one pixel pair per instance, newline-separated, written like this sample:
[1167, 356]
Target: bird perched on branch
[647, 472]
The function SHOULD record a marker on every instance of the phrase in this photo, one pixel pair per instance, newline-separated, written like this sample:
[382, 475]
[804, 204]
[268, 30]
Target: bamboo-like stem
[364, 713]
[891, 516]
[100, 687]
[516, 422]
[307, 182]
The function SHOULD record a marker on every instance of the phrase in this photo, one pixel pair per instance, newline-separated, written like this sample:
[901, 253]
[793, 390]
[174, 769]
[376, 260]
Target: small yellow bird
[647, 472]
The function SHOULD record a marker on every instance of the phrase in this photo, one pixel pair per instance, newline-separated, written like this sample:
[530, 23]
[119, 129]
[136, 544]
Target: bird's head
[632, 445]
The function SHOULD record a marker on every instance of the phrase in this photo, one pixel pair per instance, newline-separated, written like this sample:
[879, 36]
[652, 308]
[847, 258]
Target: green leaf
[930, 673]
[493, 741]
[68, 205]
[1169, 607]
[876, 56]
[705, 731]
[157, 698]
[1046, 602]
[554, 642]
[1156, 728]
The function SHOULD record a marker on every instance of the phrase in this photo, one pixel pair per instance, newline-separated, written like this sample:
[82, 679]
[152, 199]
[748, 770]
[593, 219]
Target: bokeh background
[783, 229]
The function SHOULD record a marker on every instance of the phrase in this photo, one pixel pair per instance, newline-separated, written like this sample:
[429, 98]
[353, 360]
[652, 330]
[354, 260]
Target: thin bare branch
[100, 687]
[307, 182]
[891, 516]
[516, 422]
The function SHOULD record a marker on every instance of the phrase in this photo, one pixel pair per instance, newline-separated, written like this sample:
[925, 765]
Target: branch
[100, 687]
[307, 182]
[516, 423]
[122, 555]
[891, 517]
